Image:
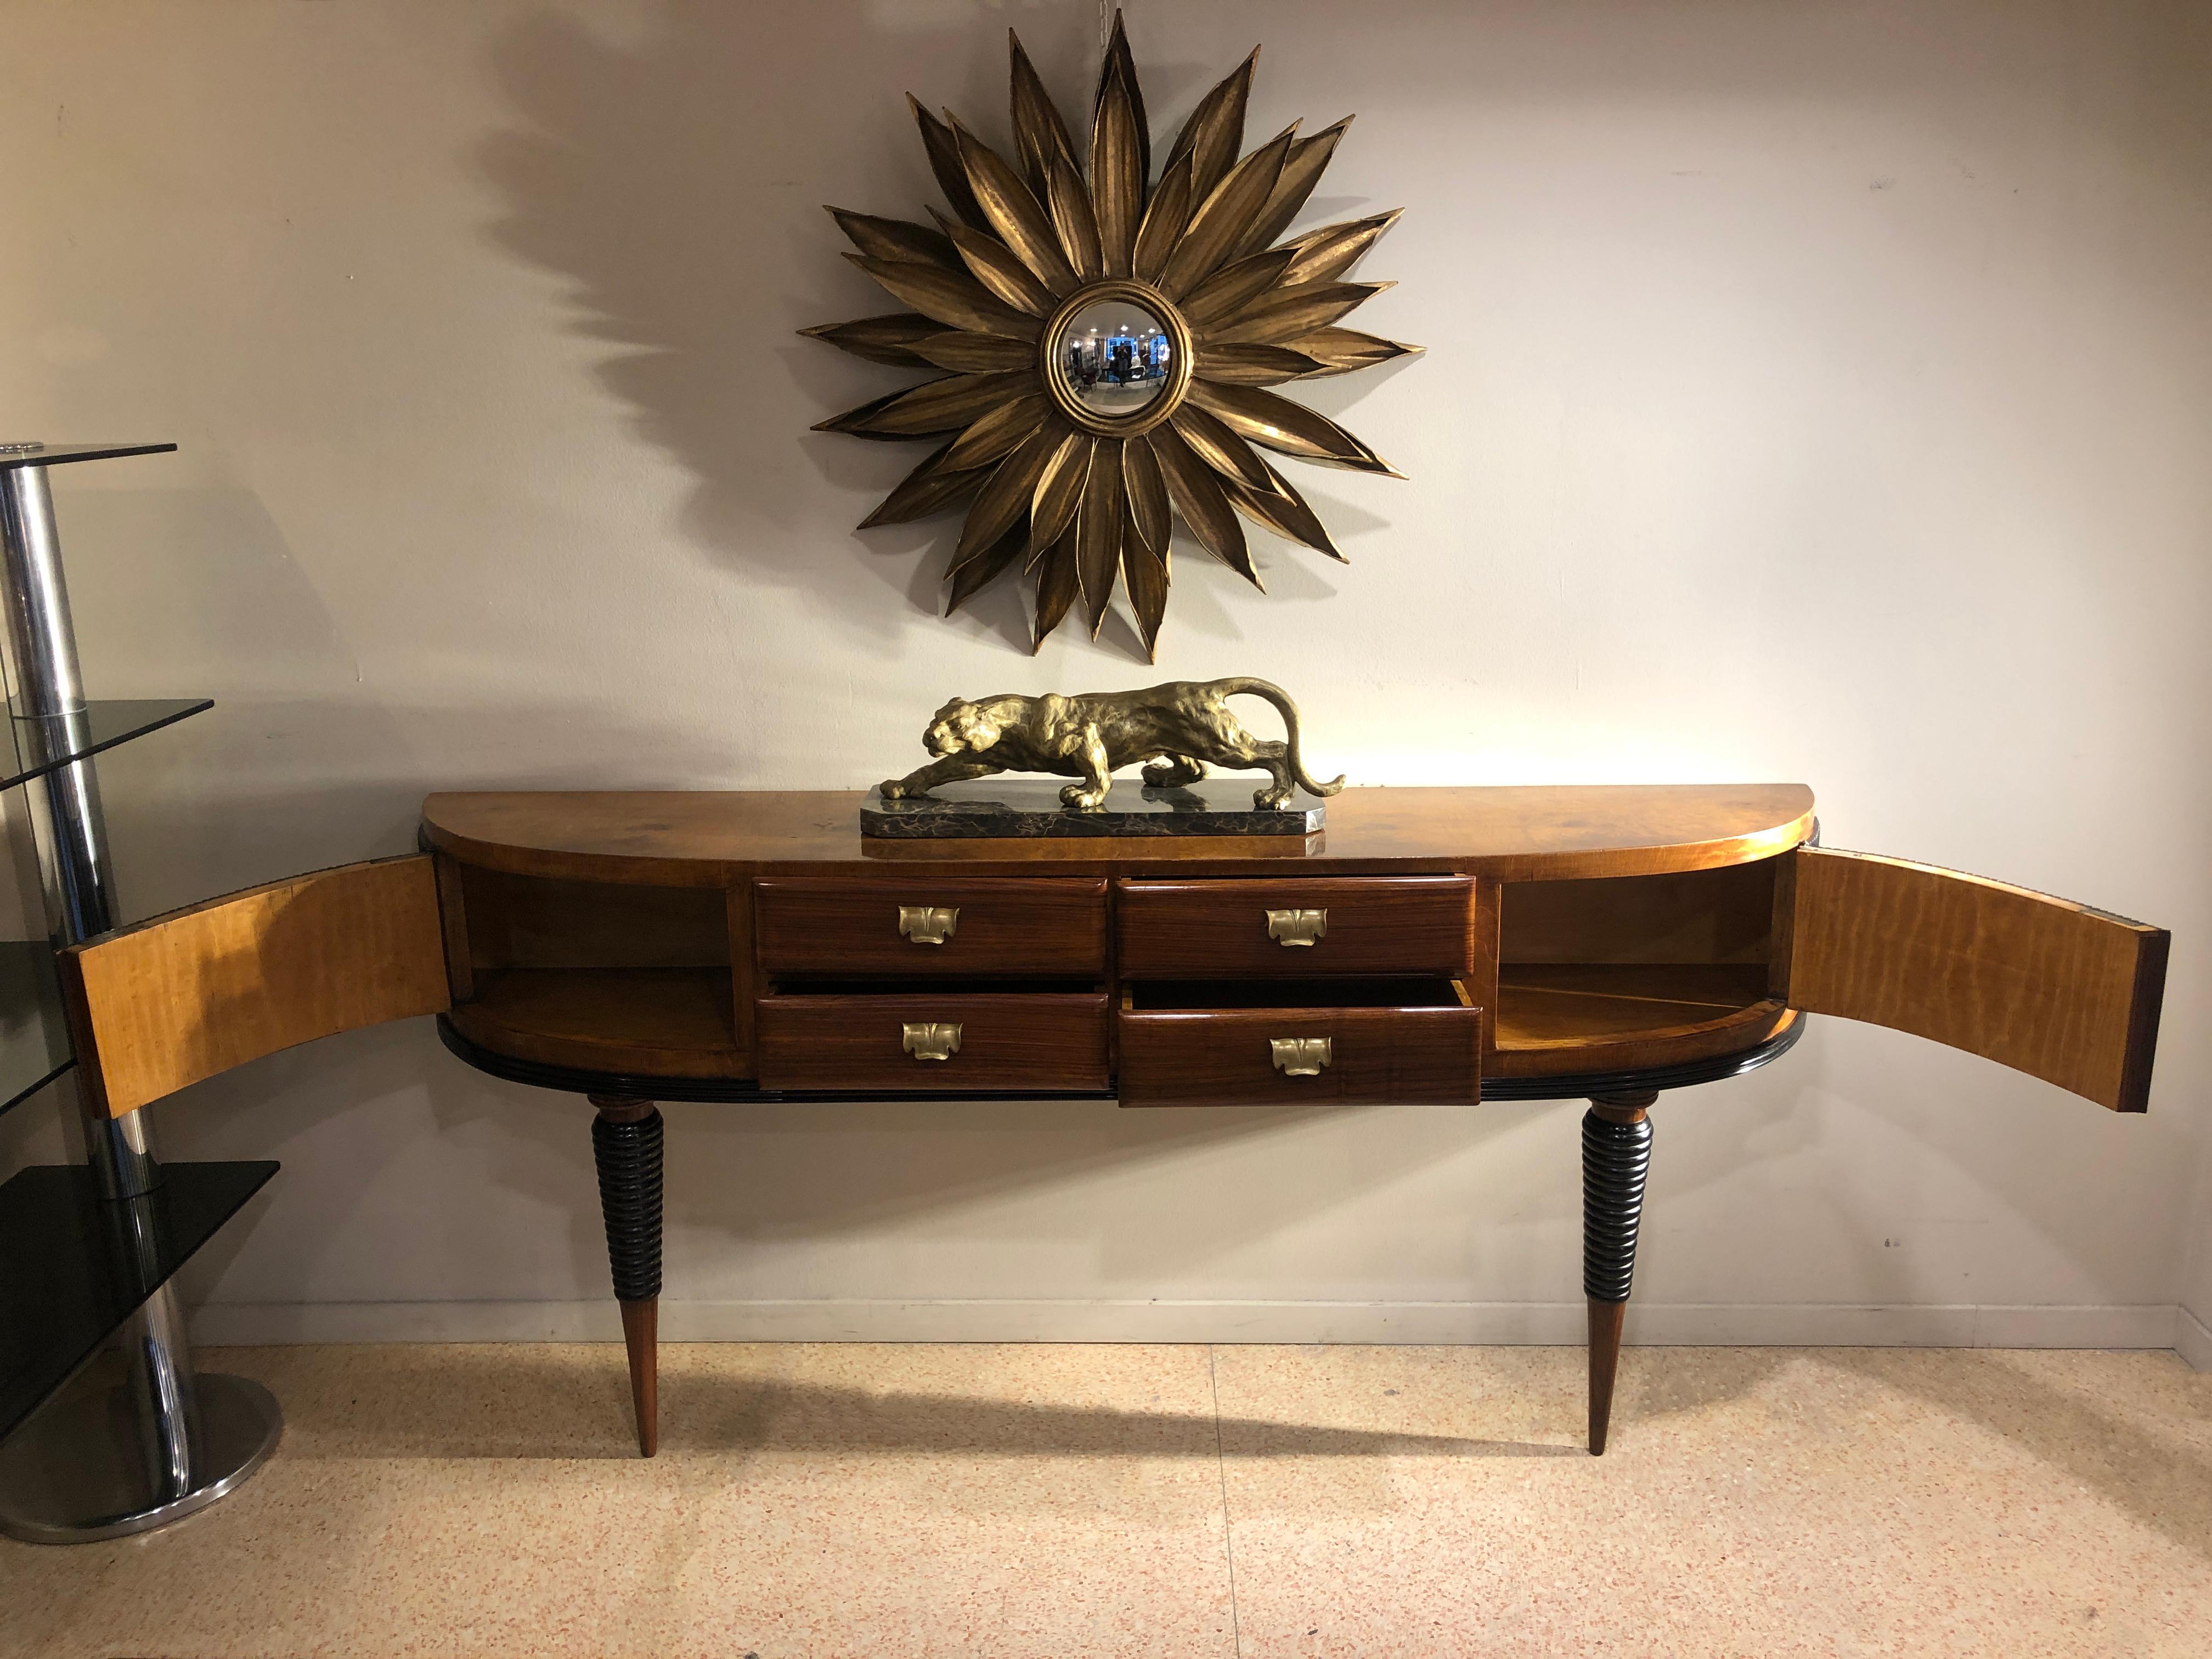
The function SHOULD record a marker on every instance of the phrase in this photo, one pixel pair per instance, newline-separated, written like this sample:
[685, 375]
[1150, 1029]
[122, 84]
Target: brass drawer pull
[1301, 1056]
[928, 924]
[934, 1040]
[1297, 926]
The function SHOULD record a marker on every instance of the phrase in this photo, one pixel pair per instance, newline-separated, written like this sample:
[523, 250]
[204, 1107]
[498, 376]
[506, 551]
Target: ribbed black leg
[626, 1147]
[1616, 1159]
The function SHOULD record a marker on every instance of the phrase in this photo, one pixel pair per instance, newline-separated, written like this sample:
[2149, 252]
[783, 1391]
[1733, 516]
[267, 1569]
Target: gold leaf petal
[1120, 64]
[943, 405]
[1283, 314]
[1020, 223]
[1284, 511]
[1340, 350]
[944, 161]
[1222, 216]
[971, 578]
[1071, 218]
[1238, 364]
[1148, 497]
[956, 300]
[1232, 287]
[1199, 496]
[1146, 579]
[930, 487]
[981, 354]
[1117, 167]
[1005, 496]
[1218, 447]
[1059, 490]
[1166, 218]
[1039, 133]
[880, 339]
[850, 421]
[1281, 424]
[998, 270]
[1057, 586]
[1215, 131]
[894, 239]
[998, 431]
[1302, 171]
[1098, 530]
[1324, 255]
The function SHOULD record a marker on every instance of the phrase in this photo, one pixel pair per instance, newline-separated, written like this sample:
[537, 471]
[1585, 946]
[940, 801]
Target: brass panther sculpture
[1186, 723]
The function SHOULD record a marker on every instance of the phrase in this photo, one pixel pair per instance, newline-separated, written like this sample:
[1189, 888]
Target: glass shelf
[39, 745]
[72, 1269]
[63, 454]
[34, 1039]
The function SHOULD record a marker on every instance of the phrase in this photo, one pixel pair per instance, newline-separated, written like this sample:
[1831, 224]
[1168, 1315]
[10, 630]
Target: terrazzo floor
[1061, 1501]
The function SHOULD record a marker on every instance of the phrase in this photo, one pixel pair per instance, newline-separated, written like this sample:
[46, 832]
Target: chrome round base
[72, 1474]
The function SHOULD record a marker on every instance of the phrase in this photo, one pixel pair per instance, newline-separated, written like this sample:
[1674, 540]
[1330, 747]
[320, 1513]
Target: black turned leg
[1616, 1157]
[626, 1145]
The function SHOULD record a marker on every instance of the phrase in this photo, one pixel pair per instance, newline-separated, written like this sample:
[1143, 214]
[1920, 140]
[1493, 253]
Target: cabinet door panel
[198, 991]
[2045, 986]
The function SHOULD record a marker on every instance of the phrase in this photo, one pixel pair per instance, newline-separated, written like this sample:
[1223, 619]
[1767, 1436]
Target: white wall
[1814, 391]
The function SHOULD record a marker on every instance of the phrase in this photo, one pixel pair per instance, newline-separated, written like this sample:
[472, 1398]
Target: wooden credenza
[1439, 945]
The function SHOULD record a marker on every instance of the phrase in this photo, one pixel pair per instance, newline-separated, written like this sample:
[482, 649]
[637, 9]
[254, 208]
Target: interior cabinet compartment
[1229, 928]
[598, 975]
[1635, 971]
[961, 1037]
[1307, 1042]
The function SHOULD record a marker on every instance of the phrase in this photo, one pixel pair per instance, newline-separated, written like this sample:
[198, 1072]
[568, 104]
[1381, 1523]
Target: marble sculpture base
[1028, 809]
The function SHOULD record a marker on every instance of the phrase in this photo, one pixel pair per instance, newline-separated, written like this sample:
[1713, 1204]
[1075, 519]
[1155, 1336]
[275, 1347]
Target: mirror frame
[1180, 369]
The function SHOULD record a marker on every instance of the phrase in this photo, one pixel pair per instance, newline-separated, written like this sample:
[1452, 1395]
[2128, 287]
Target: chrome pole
[63, 1477]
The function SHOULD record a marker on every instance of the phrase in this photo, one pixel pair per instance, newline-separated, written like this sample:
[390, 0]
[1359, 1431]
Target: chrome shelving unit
[107, 1428]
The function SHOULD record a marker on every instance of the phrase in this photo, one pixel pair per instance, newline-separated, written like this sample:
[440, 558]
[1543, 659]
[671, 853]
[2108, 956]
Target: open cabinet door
[2047, 987]
[198, 991]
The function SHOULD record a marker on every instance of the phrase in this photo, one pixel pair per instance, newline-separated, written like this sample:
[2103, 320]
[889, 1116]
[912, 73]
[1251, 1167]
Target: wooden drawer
[1401, 1041]
[849, 928]
[1370, 925]
[1007, 1040]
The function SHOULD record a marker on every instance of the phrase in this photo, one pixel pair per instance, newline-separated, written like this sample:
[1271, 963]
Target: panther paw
[1082, 798]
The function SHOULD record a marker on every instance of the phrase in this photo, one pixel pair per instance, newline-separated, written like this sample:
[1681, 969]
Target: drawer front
[919, 926]
[1300, 1056]
[989, 1041]
[1354, 925]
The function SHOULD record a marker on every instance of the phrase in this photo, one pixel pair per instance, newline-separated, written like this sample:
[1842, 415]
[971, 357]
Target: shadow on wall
[677, 179]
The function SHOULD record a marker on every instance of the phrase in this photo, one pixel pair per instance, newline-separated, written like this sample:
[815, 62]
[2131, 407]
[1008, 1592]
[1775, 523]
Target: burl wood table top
[1532, 833]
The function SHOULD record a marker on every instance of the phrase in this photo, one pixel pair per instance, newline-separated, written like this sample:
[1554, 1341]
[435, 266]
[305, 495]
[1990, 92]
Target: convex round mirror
[1114, 358]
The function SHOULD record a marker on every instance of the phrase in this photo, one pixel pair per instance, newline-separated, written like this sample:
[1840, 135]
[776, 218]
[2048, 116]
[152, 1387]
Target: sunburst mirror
[1109, 340]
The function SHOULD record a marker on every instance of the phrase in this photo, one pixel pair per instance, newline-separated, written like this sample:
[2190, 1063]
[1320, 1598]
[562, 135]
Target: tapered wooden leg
[626, 1147]
[1616, 1157]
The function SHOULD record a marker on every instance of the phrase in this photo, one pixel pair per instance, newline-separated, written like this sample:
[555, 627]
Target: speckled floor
[1060, 1501]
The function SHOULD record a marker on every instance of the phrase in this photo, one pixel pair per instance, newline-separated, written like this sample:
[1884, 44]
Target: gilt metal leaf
[888, 339]
[1199, 496]
[1013, 211]
[1285, 314]
[955, 300]
[1281, 424]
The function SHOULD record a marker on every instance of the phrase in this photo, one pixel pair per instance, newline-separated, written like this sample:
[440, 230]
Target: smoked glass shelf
[34, 1039]
[72, 1269]
[39, 745]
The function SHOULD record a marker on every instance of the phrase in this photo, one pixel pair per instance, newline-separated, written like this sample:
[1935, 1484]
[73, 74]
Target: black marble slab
[1028, 809]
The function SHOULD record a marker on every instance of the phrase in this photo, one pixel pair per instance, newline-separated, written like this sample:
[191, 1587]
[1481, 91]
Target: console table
[1443, 946]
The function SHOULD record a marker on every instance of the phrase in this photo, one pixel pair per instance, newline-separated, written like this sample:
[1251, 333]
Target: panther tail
[1281, 699]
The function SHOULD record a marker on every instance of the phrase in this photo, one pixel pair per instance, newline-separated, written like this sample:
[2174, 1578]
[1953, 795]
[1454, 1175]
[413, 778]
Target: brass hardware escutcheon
[1301, 1056]
[932, 1040]
[928, 924]
[1297, 926]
